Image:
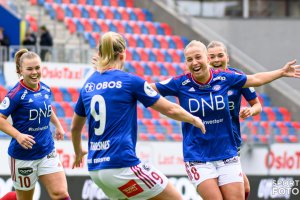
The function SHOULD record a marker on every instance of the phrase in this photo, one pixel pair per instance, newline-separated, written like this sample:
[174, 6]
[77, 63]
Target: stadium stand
[155, 54]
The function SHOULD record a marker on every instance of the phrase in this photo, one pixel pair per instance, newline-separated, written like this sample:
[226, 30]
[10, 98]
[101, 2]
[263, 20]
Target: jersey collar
[28, 88]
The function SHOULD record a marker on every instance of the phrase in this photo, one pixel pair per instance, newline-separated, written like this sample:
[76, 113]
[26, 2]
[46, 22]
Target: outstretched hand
[78, 158]
[198, 123]
[291, 70]
[245, 112]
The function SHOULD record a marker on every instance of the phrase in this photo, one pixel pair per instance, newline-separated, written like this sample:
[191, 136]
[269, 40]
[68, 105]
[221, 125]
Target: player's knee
[247, 188]
[60, 194]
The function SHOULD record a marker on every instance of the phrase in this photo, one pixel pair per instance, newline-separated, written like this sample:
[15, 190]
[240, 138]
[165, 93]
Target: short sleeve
[79, 107]
[143, 91]
[249, 93]
[236, 80]
[7, 106]
[167, 87]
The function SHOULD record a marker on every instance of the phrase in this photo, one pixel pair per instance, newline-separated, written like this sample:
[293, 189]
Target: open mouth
[217, 65]
[196, 69]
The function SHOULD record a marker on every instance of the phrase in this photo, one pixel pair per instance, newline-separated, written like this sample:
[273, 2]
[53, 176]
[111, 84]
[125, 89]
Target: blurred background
[260, 35]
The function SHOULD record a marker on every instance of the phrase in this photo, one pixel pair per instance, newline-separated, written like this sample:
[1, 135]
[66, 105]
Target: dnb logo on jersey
[149, 90]
[5, 103]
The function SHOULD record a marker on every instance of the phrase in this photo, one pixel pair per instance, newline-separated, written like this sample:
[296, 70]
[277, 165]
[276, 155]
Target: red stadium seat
[171, 69]
[140, 14]
[58, 96]
[69, 111]
[92, 12]
[33, 2]
[32, 22]
[87, 25]
[270, 113]
[167, 28]
[163, 42]
[143, 54]
[103, 25]
[154, 68]
[74, 94]
[138, 68]
[124, 13]
[178, 41]
[75, 10]
[108, 12]
[147, 41]
[3, 92]
[70, 25]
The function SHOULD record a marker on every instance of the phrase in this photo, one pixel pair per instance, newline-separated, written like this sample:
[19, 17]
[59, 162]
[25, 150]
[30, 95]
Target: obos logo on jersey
[149, 90]
[5, 103]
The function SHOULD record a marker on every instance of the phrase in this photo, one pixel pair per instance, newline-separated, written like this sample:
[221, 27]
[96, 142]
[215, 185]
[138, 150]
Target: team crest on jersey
[149, 90]
[89, 87]
[46, 96]
[164, 82]
[5, 103]
[216, 88]
[230, 92]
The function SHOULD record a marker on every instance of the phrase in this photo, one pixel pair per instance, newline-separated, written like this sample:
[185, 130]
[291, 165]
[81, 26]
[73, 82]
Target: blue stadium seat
[59, 110]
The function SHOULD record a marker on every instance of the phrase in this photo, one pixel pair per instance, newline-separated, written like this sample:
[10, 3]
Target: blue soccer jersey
[209, 102]
[109, 101]
[235, 98]
[30, 112]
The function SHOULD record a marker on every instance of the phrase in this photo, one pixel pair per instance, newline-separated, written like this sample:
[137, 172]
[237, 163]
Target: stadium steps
[58, 30]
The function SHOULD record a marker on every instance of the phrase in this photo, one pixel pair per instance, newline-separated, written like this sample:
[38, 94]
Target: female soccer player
[211, 159]
[31, 151]
[219, 59]
[108, 100]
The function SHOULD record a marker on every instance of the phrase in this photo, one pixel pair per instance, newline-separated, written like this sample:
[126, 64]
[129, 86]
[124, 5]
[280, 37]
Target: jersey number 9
[99, 113]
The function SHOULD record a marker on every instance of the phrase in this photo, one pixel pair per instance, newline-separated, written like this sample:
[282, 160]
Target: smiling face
[197, 60]
[218, 55]
[31, 71]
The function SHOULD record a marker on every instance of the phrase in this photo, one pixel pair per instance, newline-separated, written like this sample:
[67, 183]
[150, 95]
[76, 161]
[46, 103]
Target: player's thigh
[23, 173]
[231, 179]
[209, 189]
[233, 191]
[246, 183]
[138, 182]
[169, 192]
[55, 184]
[204, 177]
[52, 176]
[25, 195]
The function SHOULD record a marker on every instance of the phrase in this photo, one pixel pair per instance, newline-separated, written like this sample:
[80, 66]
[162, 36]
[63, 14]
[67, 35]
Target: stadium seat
[68, 109]
[92, 11]
[66, 95]
[270, 113]
[140, 71]
[123, 12]
[282, 114]
[58, 109]
[3, 92]
[32, 23]
[57, 95]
